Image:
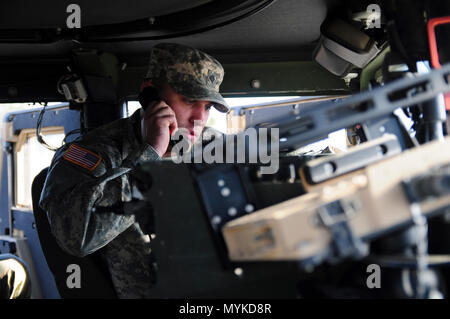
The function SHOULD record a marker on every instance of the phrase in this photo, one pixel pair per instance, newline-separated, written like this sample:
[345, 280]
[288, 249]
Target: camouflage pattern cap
[189, 72]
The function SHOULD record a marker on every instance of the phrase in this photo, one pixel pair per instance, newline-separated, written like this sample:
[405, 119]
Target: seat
[14, 278]
[95, 280]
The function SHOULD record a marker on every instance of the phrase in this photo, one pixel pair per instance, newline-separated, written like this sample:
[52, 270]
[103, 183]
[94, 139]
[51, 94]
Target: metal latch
[335, 217]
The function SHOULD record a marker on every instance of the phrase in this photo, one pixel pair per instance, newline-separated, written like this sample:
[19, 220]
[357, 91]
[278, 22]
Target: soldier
[88, 178]
[14, 278]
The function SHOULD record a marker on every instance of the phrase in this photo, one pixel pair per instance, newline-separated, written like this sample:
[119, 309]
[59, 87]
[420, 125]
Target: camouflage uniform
[189, 72]
[15, 282]
[77, 194]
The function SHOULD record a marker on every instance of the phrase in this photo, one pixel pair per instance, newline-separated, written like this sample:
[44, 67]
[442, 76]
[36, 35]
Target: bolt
[216, 220]
[225, 192]
[238, 272]
[249, 208]
[221, 183]
[232, 211]
[256, 84]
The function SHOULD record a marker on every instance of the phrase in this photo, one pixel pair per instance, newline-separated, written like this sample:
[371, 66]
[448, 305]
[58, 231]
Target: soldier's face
[190, 115]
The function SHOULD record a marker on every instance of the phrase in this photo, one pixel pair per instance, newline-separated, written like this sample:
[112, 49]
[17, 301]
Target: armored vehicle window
[218, 120]
[31, 158]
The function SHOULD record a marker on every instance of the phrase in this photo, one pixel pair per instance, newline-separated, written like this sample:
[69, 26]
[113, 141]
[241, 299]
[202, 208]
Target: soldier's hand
[157, 126]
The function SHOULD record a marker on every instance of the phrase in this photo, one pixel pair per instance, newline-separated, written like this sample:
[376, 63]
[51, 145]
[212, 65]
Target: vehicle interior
[359, 91]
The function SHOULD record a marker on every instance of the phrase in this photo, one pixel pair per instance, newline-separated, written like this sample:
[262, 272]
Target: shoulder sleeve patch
[82, 157]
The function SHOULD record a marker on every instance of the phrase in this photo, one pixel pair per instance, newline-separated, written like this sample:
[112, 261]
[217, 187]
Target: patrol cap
[189, 72]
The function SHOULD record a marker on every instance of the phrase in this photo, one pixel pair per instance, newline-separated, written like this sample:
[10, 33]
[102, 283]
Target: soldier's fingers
[154, 107]
[162, 112]
[150, 108]
[173, 126]
[166, 120]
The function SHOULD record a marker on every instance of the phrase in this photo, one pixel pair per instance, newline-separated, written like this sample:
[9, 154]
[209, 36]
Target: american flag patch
[82, 157]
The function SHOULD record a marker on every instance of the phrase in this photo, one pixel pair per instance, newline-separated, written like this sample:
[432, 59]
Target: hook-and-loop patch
[82, 157]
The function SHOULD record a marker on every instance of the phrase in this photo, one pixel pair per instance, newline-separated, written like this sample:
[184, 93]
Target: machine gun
[232, 233]
[339, 214]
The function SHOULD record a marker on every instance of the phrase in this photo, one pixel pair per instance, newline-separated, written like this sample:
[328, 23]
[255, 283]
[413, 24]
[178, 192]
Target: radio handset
[148, 95]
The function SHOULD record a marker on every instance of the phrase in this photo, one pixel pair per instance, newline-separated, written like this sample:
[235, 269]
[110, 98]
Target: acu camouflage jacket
[90, 173]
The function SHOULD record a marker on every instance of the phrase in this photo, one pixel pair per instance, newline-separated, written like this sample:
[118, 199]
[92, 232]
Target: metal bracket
[431, 185]
[318, 121]
[320, 170]
[345, 244]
